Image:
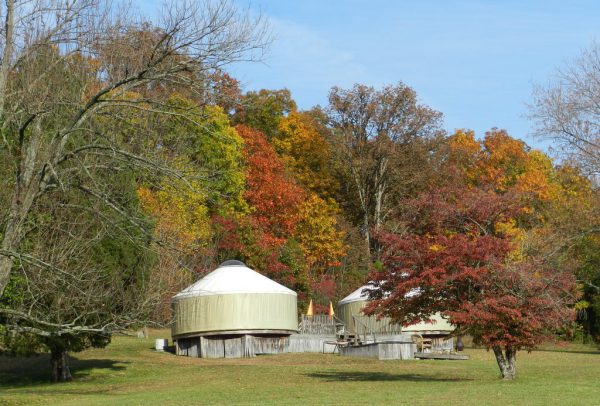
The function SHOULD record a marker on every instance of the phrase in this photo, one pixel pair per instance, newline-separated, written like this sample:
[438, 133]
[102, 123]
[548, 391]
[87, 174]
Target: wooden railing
[319, 324]
[366, 330]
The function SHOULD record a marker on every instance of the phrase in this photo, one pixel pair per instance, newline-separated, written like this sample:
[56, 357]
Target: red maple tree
[454, 260]
[273, 195]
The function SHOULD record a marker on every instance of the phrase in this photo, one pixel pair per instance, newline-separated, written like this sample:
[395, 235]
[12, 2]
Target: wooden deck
[430, 355]
[386, 350]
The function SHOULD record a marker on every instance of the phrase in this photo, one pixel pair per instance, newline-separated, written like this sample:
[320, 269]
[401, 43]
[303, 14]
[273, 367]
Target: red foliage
[324, 287]
[225, 91]
[227, 235]
[260, 237]
[273, 195]
[452, 260]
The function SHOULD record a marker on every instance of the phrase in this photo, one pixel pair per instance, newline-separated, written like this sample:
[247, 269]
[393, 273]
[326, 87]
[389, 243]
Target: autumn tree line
[133, 163]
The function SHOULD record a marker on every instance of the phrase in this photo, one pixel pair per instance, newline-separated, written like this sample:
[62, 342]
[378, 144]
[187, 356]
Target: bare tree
[567, 110]
[93, 280]
[66, 63]
[81, 83]
[374, 132]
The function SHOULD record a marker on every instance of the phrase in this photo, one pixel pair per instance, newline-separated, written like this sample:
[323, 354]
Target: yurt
[350, 312]
[233, 312]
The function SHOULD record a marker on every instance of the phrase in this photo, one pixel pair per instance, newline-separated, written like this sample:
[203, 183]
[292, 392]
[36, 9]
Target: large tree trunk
[26, 189]
[12, 235]
[362, 197]
[507, 362]
[5, 63]
[366, 230]
[379, 197]
[6, 264]
[59, 365]
[10, 241]
[380, 191]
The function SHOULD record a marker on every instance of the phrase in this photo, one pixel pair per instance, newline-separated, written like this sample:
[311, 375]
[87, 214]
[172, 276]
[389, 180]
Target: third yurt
[350, 312]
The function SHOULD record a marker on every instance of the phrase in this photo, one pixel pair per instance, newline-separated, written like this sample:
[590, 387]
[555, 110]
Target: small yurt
[233, 312]
[350, 312]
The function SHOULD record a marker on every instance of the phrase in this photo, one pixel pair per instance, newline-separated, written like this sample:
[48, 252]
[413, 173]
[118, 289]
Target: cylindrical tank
[161, 344]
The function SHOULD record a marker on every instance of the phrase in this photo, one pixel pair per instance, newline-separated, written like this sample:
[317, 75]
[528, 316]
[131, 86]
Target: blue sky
[475, 61]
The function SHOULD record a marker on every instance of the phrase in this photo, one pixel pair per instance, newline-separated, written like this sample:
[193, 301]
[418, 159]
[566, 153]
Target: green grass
[129, 372]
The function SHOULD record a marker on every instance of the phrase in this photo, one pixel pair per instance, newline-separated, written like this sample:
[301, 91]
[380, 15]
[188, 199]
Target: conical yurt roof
[232, 277]
[356, 296]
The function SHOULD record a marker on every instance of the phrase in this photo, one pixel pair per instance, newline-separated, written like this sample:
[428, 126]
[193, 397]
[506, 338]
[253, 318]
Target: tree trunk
[379, 196]
[59, 365]
[380, 191]
[5, 63]
[6, 264]
[366, 229]
[459, 343]
[26, 189]
[507, 362]
[364, 205]
[11, 240]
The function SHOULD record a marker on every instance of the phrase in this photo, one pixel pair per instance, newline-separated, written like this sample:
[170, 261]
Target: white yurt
[350, 312]
[233, 312]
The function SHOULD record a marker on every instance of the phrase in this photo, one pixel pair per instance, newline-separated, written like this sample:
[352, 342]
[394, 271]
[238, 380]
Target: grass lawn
[129, 372]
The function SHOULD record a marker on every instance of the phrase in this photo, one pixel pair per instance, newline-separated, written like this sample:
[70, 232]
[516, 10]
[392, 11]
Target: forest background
[138, 164]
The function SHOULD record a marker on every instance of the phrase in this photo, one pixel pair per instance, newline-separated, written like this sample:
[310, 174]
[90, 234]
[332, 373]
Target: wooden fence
[319, 324]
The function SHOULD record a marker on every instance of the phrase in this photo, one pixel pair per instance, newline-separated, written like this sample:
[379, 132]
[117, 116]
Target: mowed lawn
[129, 372]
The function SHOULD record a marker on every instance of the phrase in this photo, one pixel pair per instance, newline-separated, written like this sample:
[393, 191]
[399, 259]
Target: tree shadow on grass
[569, 351]
[354, 376]
[35, 370]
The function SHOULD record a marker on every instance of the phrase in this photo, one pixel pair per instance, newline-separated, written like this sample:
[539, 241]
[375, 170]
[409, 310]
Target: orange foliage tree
[290, 234]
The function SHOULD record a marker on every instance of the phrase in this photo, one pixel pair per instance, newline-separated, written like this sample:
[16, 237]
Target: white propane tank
[161, 344]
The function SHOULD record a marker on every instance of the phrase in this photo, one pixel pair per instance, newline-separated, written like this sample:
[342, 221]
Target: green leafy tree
[263, 110]
[71, 77]
[374, 135]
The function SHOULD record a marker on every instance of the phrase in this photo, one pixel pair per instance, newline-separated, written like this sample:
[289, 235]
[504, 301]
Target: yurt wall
[232, 312]
[350, 312]
[356, 322]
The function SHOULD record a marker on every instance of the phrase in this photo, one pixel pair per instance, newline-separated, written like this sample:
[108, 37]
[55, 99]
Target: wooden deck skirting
[244, 346]
[317, 334]
[306, 343]
[430, 355]
[386, 350]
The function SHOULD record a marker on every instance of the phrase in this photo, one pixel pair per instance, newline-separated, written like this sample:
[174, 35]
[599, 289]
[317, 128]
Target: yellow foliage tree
[503, 162]
[181, 215]
[182, 225]
[305, 151]
[317, 233]
[508, 165]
